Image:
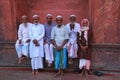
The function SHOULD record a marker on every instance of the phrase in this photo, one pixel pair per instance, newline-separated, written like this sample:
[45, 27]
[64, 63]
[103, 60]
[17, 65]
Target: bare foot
[49, 64]
[58, 74]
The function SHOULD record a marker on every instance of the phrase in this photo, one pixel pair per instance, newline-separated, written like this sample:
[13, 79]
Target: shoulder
[77, 24]
[41, 25]
[54, 27]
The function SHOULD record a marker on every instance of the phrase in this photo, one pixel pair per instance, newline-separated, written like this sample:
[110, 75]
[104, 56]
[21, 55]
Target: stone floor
[25, 74]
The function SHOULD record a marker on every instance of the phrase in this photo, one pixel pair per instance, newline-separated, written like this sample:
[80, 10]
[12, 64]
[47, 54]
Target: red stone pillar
[7, 20]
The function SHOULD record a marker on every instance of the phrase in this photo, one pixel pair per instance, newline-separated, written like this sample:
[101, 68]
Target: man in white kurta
[37, 32]
[22, 43]
[72, 19]
[72, 48]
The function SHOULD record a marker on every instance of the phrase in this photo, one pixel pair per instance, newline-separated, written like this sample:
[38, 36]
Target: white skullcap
[24, 16]
[59, 16]
[72, 15]
[34, 16]
[49, 15]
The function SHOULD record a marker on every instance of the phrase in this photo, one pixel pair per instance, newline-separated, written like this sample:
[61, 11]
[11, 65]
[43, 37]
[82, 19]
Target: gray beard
[25, 24]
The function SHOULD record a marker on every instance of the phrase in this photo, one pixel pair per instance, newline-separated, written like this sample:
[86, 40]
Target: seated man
[47, 40]
[22, 43]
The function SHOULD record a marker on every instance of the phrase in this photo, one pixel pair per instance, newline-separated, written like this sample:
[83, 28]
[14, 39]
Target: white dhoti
[49, 53]
[36, 55]
[37, 62]
[22, 49]
[82, 63]
[72, 48]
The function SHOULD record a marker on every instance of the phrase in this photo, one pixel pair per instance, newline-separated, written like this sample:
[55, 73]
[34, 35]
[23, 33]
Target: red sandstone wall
[106, 20]
[59, 7]
[104, 16]
[7, 20]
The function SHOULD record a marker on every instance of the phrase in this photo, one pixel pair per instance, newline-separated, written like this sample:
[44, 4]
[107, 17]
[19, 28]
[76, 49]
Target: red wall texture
[104, 16]
[55, 7]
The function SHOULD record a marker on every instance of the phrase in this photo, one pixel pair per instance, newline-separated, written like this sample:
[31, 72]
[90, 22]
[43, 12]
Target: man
[59, 37]
[72, 19]
[22, 43]
[47, 40]
[84, 48]
[37, 32]
[76, 29]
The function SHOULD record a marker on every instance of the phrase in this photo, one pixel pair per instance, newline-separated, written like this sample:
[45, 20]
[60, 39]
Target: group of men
[56, 40]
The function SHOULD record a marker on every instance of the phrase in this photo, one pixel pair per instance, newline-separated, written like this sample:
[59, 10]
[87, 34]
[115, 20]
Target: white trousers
[49, 53]
[36, 62]
[84, 63]
[22, 49]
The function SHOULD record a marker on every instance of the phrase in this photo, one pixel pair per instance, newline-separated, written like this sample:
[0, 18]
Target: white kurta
[37, 32]
[76, 28]
[37, 52]
[23, 34]
[72, 43]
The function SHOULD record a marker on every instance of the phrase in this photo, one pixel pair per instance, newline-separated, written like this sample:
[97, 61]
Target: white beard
[84, 28]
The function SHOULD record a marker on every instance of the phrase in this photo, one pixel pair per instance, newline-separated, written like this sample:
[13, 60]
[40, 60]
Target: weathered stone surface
[106, 21]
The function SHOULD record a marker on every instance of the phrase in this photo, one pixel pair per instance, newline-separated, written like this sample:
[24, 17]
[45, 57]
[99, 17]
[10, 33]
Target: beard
[85, 28]
[25, 24]
[36, 23]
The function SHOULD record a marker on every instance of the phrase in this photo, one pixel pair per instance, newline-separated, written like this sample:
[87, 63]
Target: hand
[36, 42]
[58, 48]
[27, 41]
[20, 41]
[84, 48]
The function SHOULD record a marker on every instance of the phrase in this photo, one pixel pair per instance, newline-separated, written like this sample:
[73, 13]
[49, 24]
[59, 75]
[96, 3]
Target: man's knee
[51, 45]
[46, 45]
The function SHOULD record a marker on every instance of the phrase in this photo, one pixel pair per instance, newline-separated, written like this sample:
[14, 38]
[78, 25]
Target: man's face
[49, 19]
[36, 19]
[59, 21]
[72, 19]
[85, 23]
[24, 20]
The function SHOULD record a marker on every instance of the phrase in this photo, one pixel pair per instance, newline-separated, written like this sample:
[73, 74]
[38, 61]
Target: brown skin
[72, 19]
[49, 20]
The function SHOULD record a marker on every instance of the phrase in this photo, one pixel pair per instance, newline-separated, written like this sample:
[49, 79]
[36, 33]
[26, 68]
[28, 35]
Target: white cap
[73, 15]
[59, 16]
[24, 16]
[34, 16]
[49, 15]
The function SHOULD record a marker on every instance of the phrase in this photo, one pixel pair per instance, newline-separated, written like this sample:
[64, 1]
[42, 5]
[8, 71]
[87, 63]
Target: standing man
[72, 38]
[84, 48]
[22, 43]
[37, 32]
[47, 40]
[59, 37]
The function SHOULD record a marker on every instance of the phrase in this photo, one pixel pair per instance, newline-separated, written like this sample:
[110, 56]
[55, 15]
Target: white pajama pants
[36, 62]
[49, 53]
[22, 49]
[84, 63]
